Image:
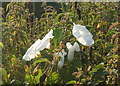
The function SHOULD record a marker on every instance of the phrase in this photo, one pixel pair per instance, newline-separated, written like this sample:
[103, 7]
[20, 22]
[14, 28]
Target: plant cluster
[66, 59]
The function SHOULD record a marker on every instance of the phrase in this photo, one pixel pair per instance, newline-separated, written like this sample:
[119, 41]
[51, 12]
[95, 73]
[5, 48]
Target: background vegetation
[24, 23]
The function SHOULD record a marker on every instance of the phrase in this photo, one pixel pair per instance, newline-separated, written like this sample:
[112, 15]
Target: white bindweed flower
[32, 52]
[60, 64]
[45, 42]
[72, 49]
[62, 55]
[76, 46]
[39, 45]
[82, 35]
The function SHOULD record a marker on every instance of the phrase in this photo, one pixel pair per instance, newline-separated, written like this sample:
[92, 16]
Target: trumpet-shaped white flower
[82, 35]
[32, 52]
[76, 46]
[38, 46]
[45, 42]
[60, 64]
[72, 49]
[62, 55]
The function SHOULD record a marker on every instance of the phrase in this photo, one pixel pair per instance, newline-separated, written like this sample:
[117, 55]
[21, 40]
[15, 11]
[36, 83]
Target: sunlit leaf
[97, 67]
[53, 78]
[58, 17]
[37, 77]
[58, 35]
[71, 82]
[1, 45]
[113, 56]
[29, 78]
[41, 60]
[4, 75]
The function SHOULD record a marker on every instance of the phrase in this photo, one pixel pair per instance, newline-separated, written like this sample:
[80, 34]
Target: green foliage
[58, 35]
[41, 60]
[29, 78]
[1, 45]
[53, 78]
[71, 82]
[96, 68]
[4, 76]
[22, 26]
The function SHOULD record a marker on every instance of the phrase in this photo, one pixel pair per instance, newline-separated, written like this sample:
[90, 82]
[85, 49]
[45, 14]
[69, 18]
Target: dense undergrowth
[95, 65]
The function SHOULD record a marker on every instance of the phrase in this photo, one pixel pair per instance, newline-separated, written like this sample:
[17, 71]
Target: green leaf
[48, 13]
[38, 76]
[9, 5]
[97, 67]
[41, 60]
[58, 35]
[29, 78]
[53, 78]
[58, 17]
[24, 36]
[113, 56]
[99, 76]
[4, 75]
[71, 82]
[1, 45]
[110, 32]
[109, 45]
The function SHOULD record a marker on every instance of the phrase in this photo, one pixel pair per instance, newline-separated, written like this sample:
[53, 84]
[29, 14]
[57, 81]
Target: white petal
[77, 48]
[70, 54]
[68, 44]
[60, 64]
[37, 43]
[82, 30]
[49, 34]
[83, 35]
[64, 53]
[61, 55]
[87, 41]
[31, 52]
[71, 50]
[76, 32]
[48, 46]
[45, 43]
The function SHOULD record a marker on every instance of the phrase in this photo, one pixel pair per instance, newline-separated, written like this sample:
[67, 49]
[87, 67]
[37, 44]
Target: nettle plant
[80, 32]
[53, 49]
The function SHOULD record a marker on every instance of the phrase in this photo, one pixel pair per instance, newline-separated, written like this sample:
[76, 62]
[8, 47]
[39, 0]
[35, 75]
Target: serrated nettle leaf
[109, 45]
[58, 17]
[41, 60]
[23, 23]
[4, 75]
[113, 56]
[71, 82]
[110, 32]
[53, 78]
[37, 77]
[96, 68]
[29, 78]
[58, 35]
[1, 45]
